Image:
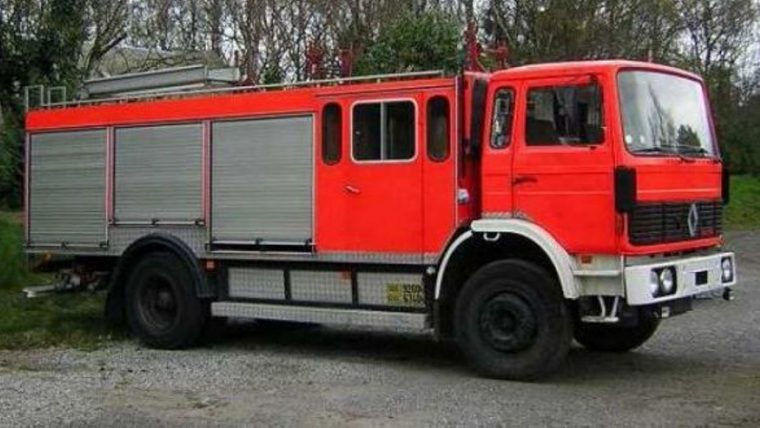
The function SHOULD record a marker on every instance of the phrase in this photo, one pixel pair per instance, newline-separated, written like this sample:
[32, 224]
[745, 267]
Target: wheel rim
[158, 303]
[507, 323]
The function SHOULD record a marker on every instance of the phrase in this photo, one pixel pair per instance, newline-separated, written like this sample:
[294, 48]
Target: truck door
[498, 149]
[382, 186]
[563, 164]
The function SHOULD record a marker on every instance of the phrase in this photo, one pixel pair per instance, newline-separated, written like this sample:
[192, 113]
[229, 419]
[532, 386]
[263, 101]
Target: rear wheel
[512, 322]
[163, 309]
[613, 338]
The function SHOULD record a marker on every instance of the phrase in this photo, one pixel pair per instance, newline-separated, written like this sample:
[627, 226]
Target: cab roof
[597, 66]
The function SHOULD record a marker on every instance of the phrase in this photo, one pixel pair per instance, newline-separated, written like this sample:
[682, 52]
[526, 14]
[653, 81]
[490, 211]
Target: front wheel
[613, 338]
[511, 321]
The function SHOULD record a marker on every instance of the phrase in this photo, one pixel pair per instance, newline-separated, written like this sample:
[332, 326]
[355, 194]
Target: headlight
[654, 283]
[667, 281]
[662, 281]
[727, 269]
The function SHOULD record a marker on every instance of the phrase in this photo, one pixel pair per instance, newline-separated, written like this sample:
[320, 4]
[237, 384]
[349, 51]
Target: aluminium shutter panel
[262, 173]
[158, 173]
[67, 188]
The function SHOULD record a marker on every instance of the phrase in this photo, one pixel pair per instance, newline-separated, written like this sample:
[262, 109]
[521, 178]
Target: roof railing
[47, 102]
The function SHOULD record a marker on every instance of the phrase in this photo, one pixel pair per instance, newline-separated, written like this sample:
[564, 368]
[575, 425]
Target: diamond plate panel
[320, 286]
[256, 283]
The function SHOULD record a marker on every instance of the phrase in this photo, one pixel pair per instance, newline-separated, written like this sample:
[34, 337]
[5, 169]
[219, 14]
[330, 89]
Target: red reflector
[210, 265]
[586, 259]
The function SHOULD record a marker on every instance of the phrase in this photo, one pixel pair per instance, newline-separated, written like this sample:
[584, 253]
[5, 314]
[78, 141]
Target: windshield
[663, 113]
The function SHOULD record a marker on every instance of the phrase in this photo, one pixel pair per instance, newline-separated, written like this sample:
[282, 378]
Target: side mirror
[625, 189]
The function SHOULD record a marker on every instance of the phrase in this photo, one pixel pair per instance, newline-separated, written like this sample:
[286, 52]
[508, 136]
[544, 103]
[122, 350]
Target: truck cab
[615, 165]
[577, 128]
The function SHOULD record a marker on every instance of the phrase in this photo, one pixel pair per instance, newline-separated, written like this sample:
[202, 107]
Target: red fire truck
[510, 211]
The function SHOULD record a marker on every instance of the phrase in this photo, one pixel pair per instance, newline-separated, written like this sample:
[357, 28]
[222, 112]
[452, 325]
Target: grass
[71, 320]
[743, 211]
[76, 320]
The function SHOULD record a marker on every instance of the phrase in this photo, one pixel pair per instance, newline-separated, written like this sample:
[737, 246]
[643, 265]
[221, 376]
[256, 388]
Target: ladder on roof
[179, 82]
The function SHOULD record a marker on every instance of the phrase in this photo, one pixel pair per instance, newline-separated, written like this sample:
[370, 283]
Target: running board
[307, 314]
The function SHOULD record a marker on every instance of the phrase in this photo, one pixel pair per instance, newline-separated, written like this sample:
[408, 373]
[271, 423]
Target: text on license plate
[404, 294]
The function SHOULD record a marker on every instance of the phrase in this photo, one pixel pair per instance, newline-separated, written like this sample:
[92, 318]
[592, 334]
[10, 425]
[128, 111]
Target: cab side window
[438, 128]
[331, 133]
[501, 122]
[564, 115]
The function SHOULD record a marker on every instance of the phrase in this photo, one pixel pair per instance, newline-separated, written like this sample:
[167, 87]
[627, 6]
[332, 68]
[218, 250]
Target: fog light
[654, 283]
[727, 269]
[667, 281]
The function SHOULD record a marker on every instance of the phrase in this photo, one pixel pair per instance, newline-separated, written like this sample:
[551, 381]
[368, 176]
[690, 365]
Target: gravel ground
[702, 368]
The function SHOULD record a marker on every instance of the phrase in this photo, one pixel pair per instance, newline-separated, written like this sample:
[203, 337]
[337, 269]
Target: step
[41, 290]
[310, 314]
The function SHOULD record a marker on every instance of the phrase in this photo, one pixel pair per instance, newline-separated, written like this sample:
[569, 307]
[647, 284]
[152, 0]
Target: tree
[718, 35]
[40, 42]
[107, 21]
[556, 30]
[425, 42]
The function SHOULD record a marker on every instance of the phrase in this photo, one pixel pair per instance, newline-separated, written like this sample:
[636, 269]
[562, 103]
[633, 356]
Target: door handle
[522, 179]
[352, 189]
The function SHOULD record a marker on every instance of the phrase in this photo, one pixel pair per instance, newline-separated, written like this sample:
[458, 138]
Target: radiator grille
[656, 223]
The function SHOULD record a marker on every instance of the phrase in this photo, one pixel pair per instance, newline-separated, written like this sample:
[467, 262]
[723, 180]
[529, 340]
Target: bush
[12, 266]
[743, 210]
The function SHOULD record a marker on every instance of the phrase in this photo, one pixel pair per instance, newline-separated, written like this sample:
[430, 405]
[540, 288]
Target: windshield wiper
[693, 149]
[663, 151]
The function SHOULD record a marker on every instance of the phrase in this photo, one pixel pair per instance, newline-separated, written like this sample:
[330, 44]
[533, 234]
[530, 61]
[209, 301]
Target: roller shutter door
[158, 173]
[262, 180]
[67, 188]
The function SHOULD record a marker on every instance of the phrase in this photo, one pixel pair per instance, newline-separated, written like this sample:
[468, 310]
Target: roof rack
[158, 93]
[164, 80]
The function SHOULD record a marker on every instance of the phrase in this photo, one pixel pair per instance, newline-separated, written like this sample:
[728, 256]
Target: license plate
[404, 294]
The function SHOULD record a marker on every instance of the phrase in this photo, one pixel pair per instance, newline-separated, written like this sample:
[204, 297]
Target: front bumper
[694, 275]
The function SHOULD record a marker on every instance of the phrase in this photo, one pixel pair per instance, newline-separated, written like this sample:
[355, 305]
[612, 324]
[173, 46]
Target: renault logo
[693, 220]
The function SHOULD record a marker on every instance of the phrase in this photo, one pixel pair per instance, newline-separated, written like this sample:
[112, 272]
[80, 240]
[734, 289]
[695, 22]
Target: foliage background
[62, 42]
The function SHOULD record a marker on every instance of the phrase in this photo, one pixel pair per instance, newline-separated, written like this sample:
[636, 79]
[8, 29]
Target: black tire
[511, 321]
[163, 309]
[612, 338]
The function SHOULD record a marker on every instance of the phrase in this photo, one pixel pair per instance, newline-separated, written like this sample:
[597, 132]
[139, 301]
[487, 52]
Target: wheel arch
[152, 243]
[490, 240]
